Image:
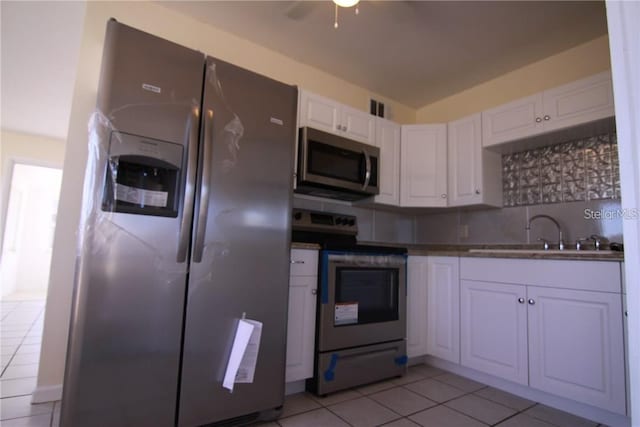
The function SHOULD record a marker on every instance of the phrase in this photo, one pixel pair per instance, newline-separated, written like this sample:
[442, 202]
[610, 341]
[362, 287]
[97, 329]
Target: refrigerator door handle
[189, 192]
[203, 210]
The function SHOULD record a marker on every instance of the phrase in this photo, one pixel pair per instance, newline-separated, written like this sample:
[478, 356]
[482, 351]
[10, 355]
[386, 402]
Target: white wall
[573, 64]
[623, 18]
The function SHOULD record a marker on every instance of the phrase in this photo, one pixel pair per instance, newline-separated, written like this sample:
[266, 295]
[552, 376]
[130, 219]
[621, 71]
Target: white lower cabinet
[443, 308]
[575, 345]
[301, 324]
[416, 306]
[494, 329]
[560, 340]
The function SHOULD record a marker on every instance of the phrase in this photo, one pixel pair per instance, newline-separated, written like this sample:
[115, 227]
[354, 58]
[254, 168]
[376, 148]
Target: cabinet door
[575, 346]
[416, 306]
[423, 166]
[358, 125]
[301, 323]
[512, 121]
[443, 308]
[579, 102]
[388, 141]
[318, 112]
[493, 329]
[465, 161]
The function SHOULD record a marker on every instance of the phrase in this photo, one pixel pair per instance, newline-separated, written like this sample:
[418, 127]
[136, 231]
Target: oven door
[362, 300]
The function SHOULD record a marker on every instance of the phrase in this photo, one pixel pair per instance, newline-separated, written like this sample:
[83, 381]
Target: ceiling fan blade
[298, 10]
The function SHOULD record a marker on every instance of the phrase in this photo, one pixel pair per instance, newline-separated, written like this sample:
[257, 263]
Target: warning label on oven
[346, 313]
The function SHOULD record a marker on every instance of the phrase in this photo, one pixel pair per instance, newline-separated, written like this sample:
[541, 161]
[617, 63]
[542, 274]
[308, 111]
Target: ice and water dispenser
[142, 176]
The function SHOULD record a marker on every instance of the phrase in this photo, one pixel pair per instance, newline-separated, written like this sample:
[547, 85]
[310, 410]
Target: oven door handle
[367, 173]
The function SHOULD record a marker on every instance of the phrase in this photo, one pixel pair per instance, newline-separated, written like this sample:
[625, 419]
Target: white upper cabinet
[474, 173]
[573, 104]
[388, 141]
[318, 112]
[358, 125]
[423, 166]
[330, 116]
[515, 120]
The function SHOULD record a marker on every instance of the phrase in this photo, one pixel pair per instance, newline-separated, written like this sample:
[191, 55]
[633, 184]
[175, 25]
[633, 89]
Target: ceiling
[411, 52]
[40, 47]
[414, 52]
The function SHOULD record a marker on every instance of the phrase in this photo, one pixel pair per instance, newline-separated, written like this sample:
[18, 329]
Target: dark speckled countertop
[464, 251]
[300, 245]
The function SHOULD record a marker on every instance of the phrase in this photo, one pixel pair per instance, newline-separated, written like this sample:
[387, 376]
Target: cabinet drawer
[602, 276]
[304, 262]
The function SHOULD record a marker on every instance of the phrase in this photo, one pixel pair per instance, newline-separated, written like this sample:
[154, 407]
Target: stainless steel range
[361, 315]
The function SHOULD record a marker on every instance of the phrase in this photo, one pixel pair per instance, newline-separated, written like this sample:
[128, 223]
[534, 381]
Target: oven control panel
[324, 222]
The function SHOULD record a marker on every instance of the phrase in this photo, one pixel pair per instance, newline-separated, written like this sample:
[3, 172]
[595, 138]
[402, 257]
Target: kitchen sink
[572, 252]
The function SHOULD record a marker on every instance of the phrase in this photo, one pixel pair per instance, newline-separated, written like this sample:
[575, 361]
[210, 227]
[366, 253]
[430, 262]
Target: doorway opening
[24, 270]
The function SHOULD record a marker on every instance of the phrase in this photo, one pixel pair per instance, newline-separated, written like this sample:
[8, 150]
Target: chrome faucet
[560, 241]
[598, 241]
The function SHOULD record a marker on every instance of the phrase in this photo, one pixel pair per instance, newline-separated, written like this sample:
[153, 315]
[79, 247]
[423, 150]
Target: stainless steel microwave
[336, 167]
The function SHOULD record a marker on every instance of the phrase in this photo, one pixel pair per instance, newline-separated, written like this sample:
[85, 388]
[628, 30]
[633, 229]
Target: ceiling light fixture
[344, 3]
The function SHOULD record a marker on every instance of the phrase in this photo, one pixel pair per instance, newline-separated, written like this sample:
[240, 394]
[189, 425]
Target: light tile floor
[21, 322]
[426, 396]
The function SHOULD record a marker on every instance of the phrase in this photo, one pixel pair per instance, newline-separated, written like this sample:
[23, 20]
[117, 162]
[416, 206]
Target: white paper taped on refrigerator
[244, 354]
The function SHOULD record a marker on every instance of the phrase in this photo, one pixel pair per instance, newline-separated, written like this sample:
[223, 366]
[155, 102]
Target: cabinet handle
[297, 262]
[314, 292]
[626, 313]
[477, 191]
[531, 301]
[547, 118]
[444, 196]
[538, 119]
[521, 300]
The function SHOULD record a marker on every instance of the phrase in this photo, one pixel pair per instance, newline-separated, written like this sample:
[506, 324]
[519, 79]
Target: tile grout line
[20, 345]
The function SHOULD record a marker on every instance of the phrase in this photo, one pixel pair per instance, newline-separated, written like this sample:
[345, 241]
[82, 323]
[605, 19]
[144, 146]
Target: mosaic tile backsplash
[581, 170]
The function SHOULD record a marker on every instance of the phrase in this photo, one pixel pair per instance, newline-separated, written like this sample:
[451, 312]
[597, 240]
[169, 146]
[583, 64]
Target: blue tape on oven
[324, 277]
[401, 360]
[329, 375]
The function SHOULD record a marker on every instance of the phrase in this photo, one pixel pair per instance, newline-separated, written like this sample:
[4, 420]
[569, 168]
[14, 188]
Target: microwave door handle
[367, 174]
[189, 191]
[203, 211]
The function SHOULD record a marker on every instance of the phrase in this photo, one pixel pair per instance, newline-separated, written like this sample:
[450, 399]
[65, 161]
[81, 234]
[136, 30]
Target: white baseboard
[48, 393]
[294, 387]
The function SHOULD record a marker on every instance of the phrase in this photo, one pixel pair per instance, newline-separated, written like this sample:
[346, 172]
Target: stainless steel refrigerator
[185, 230]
